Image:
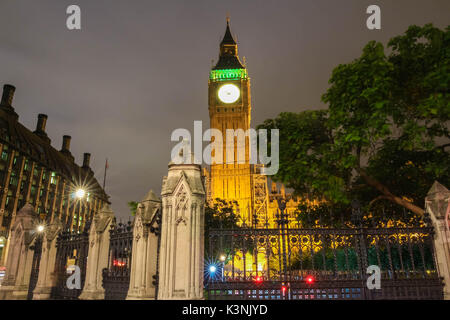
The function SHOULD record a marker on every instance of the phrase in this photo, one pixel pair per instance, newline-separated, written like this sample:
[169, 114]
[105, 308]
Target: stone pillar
[98, 254]
[3, 241]
[20, 256]
[437, 204]
[46, 279]
[182, 236]
[145, 249]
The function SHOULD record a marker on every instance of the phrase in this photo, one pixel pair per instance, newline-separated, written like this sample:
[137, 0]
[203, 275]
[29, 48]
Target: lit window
[53, 178]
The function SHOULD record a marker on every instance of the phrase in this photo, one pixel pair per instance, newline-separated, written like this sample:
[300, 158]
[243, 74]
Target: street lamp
[80, 193]
[212, 269]
[40, 228]
[222, 259]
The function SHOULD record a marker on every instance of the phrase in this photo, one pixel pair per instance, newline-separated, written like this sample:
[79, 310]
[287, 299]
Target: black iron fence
[322, 262]
[37, 251]
[116, 278]
[72, 251]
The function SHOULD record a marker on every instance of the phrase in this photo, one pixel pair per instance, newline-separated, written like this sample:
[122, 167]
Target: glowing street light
[222, 258]
[40, 228]
[212, 269]
[80, 193]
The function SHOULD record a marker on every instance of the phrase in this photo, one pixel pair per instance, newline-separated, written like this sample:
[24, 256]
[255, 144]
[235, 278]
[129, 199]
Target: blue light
[212, 269]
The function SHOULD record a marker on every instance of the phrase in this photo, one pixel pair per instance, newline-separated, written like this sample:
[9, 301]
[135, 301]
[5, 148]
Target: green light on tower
[228, 74]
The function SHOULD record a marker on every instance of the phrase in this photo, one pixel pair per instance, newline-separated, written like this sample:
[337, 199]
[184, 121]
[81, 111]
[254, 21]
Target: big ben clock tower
[230, 108]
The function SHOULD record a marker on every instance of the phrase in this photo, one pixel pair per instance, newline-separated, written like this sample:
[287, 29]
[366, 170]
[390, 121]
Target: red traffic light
[283, 289]
[310, 280]
[258, 279]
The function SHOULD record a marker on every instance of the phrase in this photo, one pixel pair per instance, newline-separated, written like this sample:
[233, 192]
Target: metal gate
[72, 250]
[37, 252]
[116, 278]
[322, 262]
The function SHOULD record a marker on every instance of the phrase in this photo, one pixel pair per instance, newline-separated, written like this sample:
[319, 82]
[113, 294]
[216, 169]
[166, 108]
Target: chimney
[8, 95]
[42, 122]
[40, 128]
[66, 144]
[66, 148]
[86, 160]
[7, 99]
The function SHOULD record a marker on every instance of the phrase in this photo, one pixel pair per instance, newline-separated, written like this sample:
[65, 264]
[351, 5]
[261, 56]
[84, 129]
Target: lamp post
[80, 194]
[222, 261]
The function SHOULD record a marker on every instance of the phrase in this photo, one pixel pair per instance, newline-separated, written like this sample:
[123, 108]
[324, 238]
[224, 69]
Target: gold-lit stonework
[230, 108]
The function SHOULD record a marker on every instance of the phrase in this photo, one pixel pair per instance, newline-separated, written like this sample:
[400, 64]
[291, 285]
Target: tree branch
[443, 146]
[379, 198]
[387, 194]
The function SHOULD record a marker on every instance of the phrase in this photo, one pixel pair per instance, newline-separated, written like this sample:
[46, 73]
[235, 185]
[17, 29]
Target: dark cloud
[139, 69]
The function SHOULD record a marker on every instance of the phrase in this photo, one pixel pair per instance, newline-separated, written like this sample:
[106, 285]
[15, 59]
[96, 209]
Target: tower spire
[228, 56]
[228, 38]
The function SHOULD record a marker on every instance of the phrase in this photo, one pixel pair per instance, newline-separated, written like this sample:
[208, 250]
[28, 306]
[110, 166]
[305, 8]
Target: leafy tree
[219, 215]
[385, 129]
[133, 205]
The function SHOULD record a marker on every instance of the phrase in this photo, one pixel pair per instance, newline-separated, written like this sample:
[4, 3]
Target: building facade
[33, 171]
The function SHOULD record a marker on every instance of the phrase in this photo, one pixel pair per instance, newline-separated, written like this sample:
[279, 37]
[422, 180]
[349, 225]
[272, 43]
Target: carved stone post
[4, 242]
[182, 237]
[20, 256]
[46, 278]
[98, 254]
[145, 249]
[437, 205]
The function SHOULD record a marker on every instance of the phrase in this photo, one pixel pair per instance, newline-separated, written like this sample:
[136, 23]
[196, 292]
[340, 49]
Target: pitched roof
[171, 182]
[437, 188]
[228, 38]
[151, 196]
[227, 60]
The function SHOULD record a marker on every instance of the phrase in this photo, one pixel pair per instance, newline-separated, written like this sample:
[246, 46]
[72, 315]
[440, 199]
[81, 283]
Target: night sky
[139, 69]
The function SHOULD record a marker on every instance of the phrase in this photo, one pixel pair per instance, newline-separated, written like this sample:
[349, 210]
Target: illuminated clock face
[229, 93]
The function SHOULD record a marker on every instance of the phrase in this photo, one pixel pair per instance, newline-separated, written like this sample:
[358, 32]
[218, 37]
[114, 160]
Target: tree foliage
[133, 205]
[219, 215]
[385, 134]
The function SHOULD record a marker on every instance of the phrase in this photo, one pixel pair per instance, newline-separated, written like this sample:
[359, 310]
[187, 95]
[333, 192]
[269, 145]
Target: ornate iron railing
[116, 278]
[72, 250]
[322, 262]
